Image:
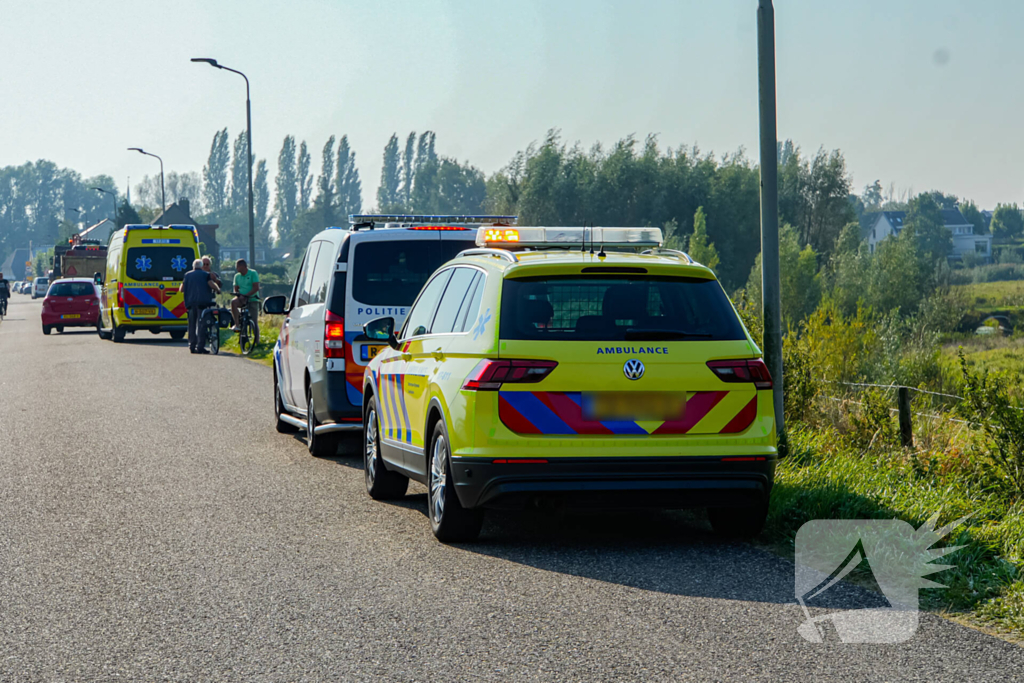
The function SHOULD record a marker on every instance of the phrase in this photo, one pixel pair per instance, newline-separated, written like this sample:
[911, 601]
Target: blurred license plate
[147, 310]
[370, 351]
[634, 405]
[70, 316]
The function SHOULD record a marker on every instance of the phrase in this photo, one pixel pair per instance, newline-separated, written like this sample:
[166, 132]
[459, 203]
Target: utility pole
[771, 301]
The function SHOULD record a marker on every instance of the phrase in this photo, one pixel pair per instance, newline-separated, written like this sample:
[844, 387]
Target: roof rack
[670, 252]
[372, 220]
[500, 253]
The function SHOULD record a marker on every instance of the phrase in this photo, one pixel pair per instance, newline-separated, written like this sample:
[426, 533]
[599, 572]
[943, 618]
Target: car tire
[46, 329]
[324, 445]
[178, 335]
[739, 522]
[279, 409]
[118, 334]
[450, 522]
[381, 483]
[60, 328]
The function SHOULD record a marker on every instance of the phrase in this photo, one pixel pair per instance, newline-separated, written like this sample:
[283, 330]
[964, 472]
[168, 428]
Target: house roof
[951, 217]
[96, 229]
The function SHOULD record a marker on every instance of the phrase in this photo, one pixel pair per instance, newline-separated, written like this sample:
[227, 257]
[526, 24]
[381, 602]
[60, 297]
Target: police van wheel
[178, 335]
[118, 334]
[450, 522]
[281, 426]
[381, 483]
[324, 445]
[739, 522]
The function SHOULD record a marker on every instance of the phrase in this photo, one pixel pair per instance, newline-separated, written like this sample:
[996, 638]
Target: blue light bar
[419, 219]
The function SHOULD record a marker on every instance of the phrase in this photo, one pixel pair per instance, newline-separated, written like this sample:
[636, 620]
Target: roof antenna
[591, 238]
[583, 249]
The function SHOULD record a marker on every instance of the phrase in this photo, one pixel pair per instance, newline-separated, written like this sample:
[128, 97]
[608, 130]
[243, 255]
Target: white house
[886, 223]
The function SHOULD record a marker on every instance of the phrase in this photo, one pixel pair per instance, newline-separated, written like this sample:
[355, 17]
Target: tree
[261, 204]
[934, 240]
[1007, 221]
[800, 279]
[305, 178]
[975, 217]
[325, 199]
[215, 174]
[407, 167]
[390, 177]
[126, 215]
[699, 248]
[872, 196]
[896, 280]
[239, 197]
[347, 184]
[286, 186]
[186, 186]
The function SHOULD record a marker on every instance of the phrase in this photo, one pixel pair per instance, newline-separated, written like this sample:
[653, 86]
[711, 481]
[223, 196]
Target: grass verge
[264, 351]
[825, 479]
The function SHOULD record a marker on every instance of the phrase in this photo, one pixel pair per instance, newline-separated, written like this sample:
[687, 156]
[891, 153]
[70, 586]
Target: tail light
[489, 375]
[120, 295]
[334, 336]
[744, 371]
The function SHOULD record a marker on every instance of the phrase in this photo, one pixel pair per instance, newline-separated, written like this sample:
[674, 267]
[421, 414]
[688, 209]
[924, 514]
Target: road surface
[154, 526]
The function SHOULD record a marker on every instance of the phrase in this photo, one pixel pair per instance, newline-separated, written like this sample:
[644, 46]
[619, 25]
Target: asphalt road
[154, 526]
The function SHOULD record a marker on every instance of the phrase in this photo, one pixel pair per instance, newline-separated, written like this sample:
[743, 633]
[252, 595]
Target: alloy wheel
[371, 455]
[438, 477]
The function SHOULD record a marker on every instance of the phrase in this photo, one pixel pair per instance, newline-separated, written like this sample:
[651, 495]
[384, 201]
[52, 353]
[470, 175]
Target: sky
[919, 93]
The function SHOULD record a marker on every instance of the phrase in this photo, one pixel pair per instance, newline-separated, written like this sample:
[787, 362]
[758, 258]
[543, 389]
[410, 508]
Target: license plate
[70, 316]
[142, 311]
[634, 405]
[370, 351]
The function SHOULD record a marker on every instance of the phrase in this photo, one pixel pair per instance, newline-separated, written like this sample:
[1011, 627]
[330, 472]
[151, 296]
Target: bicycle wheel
[247, 337]
[213, 337]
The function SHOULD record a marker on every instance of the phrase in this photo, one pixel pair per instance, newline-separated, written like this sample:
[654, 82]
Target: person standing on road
[247, 291]
[198, 290]
[5, 292]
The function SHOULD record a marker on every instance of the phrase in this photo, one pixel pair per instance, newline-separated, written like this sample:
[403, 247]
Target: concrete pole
[771, 302]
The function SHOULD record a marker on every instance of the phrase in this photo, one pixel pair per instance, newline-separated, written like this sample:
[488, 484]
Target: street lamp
[112, 197]
[248, 134]
[163, 197]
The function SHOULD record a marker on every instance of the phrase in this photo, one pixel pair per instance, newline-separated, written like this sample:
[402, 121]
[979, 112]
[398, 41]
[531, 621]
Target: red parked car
[71, 302]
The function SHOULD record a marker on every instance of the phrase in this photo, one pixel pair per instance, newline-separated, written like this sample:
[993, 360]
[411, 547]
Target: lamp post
[113, 198]
[248, 136]
[163, 197]
[771, 289]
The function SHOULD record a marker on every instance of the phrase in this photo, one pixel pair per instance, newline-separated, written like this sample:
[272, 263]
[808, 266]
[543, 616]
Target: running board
[293, 421]
[329, 428]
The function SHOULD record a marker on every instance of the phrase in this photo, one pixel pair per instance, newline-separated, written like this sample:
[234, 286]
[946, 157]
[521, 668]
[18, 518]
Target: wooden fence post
[906, 426]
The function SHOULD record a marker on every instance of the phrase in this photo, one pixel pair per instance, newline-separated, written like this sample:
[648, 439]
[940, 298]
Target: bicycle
[210, 321]
[249, 331]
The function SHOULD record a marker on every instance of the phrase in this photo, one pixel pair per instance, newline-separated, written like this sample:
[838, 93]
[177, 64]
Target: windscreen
[641, 308]
[72, 289]
[392, 273]
[159, 264]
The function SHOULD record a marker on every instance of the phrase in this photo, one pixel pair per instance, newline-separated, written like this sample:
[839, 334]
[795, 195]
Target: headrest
[535, 312]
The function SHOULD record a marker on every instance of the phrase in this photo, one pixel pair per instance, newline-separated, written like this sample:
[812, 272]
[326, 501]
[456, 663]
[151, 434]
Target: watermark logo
[892, 553]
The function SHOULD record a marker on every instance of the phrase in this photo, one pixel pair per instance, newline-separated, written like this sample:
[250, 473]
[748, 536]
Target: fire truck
[79, 258]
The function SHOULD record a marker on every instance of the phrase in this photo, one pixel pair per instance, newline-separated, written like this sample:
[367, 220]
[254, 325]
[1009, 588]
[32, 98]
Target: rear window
[72, 289]
[159, 264]
[644, 308]
[393, 272]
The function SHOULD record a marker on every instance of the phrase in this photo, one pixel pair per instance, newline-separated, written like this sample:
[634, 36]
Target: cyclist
[5, 292]
[247, 291]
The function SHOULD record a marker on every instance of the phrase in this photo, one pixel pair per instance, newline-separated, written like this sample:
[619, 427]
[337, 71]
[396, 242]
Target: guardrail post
[906, 426]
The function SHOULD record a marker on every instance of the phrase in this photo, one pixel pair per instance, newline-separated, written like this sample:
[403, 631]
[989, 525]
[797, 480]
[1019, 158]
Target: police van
[376, 267]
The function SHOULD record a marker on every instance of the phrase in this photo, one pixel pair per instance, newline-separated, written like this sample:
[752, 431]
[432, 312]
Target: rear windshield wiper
[644, 334]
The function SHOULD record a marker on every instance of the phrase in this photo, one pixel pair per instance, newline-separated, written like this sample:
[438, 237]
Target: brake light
[334, 336]
[743, 371]
[489, 375]
[120, 295]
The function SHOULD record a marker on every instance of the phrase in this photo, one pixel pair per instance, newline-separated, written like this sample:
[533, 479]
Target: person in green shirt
[247, 291]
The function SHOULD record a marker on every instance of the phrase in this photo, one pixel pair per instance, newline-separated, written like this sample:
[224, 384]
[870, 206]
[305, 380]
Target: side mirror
[275, 305]
[381, 329]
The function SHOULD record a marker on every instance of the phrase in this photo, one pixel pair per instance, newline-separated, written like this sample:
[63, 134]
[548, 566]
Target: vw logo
[633, 369]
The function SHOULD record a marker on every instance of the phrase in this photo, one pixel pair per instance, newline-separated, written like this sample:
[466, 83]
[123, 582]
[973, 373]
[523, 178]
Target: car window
[452, 299]
[422, 313]
[644, 308]
[159, 263]
[471, 306]
[322, 272]
[306, 276]
[71, 289]
[392, 272]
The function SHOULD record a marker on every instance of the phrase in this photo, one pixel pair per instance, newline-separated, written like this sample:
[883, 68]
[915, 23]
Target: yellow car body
[582, 429]
[142, 284]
